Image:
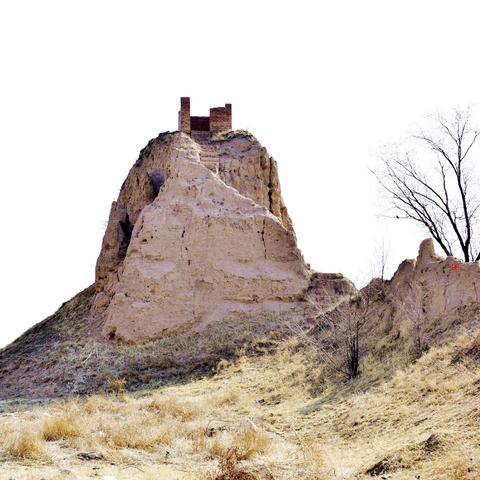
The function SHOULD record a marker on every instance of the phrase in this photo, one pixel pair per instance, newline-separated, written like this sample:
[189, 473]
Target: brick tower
[184, 115]
[220, 119]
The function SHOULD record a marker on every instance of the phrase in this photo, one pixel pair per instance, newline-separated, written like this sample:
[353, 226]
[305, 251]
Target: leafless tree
[412, 309]
[350, 331]
[380, 263]
[439, 191]
[336, 338]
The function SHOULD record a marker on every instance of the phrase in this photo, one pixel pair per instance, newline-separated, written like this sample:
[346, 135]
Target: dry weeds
[25, 445]
[256, 419]
[60, 427]
[229, 468]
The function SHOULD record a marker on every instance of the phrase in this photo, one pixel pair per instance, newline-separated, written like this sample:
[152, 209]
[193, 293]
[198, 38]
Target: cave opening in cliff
[157, 180]
[127, 229]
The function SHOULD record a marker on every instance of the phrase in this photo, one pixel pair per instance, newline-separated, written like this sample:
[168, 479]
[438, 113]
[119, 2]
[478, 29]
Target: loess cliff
[199, 233]
[199, 260]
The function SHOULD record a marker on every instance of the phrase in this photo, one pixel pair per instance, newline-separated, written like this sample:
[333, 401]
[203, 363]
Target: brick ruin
[220, 119]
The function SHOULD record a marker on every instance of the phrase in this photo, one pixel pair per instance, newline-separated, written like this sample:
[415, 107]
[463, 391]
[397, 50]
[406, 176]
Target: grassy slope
[34, 365]
[420, 423]
[66, 354]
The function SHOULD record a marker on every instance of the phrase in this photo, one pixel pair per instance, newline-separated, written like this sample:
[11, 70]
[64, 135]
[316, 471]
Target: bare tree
[412, 308]
[337, 337]
[355, 321]
[380, 262]
[438, 191]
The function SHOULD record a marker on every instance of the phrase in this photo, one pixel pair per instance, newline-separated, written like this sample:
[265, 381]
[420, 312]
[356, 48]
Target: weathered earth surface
[436, 285]
[430, 288]
[422, 303]
[199, 259]
[202, 247]
[327, 289]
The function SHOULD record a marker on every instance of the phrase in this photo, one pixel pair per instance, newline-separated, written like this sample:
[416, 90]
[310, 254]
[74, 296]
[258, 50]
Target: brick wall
[200, 123]
[184, 115]
[221, 118]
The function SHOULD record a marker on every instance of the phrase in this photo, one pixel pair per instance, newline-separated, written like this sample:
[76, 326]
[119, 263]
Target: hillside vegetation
[274, 415]
[67, 355]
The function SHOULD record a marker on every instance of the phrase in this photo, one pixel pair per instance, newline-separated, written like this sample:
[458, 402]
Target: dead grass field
[256, 419]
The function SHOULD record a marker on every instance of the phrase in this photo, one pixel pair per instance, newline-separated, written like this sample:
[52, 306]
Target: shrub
[138, 435]
[61, 427]
[117, 385]
[229, 468]
[25, 445]
[251, 442]
[246, 444]
[171, 408]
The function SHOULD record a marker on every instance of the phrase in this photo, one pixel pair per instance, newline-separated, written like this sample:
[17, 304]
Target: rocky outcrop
[246, 166]
[326, 289]
[425, 296]
[433, 286]
[140, 188]
[187, 246]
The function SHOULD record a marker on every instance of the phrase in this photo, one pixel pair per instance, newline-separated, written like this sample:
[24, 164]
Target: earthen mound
[199, 260]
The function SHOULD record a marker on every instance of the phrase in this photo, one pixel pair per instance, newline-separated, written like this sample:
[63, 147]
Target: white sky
[323, 85]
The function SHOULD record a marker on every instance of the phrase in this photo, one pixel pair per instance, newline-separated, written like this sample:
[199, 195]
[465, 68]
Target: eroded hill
[198, 260]
[258, 419]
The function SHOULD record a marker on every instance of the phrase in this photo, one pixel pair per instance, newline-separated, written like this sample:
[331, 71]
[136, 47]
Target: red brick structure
[184, 115]
[220, 119]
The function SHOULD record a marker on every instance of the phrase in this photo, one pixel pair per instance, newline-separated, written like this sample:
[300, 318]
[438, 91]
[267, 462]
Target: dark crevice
[270, 186]
[127, 228]
[157, 180]
[263, 239]
[112, 333]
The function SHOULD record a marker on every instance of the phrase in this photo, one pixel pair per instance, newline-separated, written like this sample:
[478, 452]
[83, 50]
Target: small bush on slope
[25, 445]
[230, 469]
[246, 443]
[60, 427]
[167, 407]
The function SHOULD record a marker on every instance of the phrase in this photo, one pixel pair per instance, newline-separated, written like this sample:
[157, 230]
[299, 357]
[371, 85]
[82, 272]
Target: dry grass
[60, 428]
[247, 443]
[256, 419]
[117, 385]
[60, 356]
[250, 443]
[138, 433]
[229, 468]
[230, 397]
[168, 407]
[25, 445]
[228, 135]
